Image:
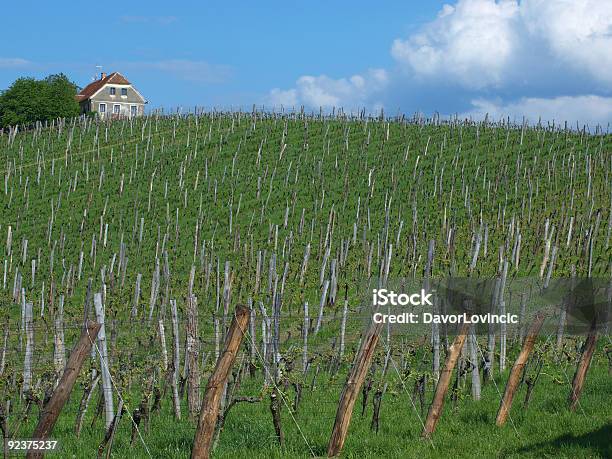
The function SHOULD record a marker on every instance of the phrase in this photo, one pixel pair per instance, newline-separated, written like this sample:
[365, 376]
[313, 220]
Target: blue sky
[549, 58]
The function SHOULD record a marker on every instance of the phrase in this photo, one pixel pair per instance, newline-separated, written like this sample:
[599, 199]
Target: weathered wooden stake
[61, 393]
[517, 368]
[214, 388]
[583, 365]
[435, 410]
[352, 388]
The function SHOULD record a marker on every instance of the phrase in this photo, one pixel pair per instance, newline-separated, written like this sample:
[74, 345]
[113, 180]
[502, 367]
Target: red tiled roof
[92, 88]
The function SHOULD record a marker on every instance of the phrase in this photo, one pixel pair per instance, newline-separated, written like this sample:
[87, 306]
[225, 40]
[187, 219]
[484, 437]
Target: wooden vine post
[214, 388]
[583, 365]
[352, 388]
[61, 393]
[517, 368]
[435, 410]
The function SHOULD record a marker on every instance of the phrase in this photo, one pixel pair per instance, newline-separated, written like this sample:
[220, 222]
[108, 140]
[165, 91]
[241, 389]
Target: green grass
[546, 428]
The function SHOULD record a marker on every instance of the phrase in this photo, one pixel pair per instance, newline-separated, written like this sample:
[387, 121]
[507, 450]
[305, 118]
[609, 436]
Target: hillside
[273, 211]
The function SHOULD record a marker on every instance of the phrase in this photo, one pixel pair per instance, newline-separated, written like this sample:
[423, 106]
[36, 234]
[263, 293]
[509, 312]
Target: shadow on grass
[483, 418]
[596, 442]
[319, 450]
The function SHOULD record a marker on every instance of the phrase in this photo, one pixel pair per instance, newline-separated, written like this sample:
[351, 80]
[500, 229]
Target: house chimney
[102, 75]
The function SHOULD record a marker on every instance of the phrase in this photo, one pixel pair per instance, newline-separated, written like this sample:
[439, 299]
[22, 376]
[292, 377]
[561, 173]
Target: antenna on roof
[99, 70]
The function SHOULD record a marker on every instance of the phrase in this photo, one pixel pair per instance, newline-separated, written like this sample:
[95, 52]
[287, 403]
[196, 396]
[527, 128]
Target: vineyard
[208, 276]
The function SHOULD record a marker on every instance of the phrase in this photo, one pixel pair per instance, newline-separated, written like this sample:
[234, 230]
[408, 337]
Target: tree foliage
[28, 100]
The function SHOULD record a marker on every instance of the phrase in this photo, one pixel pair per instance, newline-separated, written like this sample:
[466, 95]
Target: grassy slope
[326, 170]
[546, 428]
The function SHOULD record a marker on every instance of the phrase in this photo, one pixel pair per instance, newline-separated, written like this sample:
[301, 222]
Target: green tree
[29, 100]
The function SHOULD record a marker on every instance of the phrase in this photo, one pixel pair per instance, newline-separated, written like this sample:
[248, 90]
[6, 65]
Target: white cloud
[326, 92]
[285, 98]
[12, 62]
[549, 58]
[589, 109]
[488, 43]
[577, 32]
[472, 42]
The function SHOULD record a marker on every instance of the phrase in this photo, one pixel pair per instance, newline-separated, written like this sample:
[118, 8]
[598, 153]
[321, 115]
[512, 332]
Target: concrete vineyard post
[59, 349]
[192, 352]
[29, 350]
[107, 388]
[175, 360]
[473, 345]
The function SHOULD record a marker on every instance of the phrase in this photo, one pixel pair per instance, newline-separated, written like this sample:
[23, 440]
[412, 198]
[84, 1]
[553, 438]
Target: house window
[112, 91]
[133, 110]
[116, 109]
[102, 108]
[124, 91]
